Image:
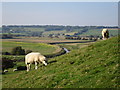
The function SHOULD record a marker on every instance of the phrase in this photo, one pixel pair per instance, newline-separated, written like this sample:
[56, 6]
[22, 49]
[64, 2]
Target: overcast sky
[60, 13]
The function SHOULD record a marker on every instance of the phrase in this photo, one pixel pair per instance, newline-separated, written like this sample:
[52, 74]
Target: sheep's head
[45, 62]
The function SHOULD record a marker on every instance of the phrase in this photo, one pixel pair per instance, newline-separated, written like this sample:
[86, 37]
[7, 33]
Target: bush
[18, 51]
[20, 58]
[7, 63]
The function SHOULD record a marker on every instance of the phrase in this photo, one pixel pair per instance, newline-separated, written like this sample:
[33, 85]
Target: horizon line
[51, 25]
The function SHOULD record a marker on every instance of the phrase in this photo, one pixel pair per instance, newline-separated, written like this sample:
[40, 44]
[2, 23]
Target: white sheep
[34, 57]
[5, 71]
[105, 34]
[15, 70]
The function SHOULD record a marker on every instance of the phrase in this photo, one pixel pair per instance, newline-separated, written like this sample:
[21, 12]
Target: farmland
[36, 47]
[95, 66]
[40, 44]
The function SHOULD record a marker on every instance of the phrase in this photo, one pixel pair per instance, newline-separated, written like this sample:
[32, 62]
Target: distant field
[41, 31]
[98, 32]
[37, 47]
[41, 40]
[36, 44]
[46, 33]
[34, 29]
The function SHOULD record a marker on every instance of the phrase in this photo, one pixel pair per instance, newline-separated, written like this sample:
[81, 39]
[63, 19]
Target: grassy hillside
[95, 66]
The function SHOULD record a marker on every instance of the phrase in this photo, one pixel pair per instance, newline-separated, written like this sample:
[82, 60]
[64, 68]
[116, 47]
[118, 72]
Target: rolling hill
[94, 66]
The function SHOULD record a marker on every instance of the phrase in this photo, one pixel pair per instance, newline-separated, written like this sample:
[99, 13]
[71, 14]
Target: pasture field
[33, 43]
[43, 40]
[41, 31]
[34, 29]
[89, 32]
[46, 33]
[112, 32]
[96, 32]
[94, 66]
[43, 48]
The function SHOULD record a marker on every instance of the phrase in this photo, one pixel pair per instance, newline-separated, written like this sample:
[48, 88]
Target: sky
[60, 13]
[60, 0]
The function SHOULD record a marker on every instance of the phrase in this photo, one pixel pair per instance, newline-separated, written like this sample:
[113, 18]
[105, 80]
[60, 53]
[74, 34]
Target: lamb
[105, 34]
[34, 57]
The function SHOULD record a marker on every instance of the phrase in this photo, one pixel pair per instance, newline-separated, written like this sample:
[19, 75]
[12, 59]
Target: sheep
[5, 71]
[34, 57]
[105, 34]
[15, 70]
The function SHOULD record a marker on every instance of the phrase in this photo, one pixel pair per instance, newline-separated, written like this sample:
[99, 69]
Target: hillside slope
[95, 66]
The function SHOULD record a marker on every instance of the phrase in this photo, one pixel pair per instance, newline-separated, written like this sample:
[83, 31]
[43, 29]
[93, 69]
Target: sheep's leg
[28, 67]
[36, 67]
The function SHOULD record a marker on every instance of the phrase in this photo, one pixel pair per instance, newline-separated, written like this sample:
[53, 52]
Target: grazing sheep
[105, 34]
[34, 57]
[5, 71]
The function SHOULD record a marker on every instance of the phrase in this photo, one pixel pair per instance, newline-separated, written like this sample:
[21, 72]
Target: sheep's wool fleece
[34, 56]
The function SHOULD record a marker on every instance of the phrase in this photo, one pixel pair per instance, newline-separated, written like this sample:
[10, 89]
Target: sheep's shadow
[21, 68]
[52, 62]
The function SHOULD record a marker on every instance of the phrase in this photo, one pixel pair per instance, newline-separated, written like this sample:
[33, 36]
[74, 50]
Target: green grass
[95, 66]
[37, 47]
[46, 33]
[75, 46]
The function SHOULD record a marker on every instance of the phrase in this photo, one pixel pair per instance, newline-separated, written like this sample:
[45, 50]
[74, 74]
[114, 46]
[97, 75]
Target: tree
[18, 51]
